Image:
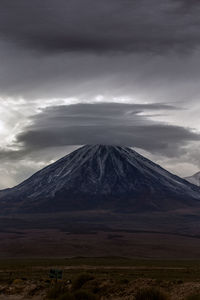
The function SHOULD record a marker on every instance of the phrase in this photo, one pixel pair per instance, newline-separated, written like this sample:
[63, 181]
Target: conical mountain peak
[101, 177]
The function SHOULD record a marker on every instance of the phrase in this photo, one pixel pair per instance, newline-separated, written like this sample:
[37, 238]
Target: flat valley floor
[173, 235]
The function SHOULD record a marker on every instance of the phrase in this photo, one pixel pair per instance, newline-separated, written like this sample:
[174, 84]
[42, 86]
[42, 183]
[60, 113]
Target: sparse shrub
[81, 280]
[18, 281]
[66, 296]
[60, 292]
[96, 290]
[56, 291]
[84, 295]
[150, 294]
[179, 281]
[33, 291]
[124, 281]
[93, 286]
[193, 297]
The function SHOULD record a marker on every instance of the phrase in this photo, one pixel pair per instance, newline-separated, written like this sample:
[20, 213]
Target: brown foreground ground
[98, 278]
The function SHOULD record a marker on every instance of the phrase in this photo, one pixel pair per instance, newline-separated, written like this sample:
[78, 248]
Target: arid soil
[20, 290]
[107, 278]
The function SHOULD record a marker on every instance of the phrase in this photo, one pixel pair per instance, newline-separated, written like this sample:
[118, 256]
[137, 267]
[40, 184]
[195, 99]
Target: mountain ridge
[194, 179]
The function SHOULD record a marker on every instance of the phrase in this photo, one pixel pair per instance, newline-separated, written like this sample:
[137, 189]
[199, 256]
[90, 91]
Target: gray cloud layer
[105, 123]
[101, 26]
[58, 48]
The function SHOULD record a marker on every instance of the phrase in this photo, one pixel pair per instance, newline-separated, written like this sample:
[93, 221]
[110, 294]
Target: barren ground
[111, 278]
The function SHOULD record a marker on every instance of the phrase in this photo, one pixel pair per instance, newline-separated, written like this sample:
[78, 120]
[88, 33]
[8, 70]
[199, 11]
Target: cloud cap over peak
[106, 123]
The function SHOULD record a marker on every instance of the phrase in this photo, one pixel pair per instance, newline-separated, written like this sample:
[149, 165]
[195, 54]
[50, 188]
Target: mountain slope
[100, 177]
[195, 179]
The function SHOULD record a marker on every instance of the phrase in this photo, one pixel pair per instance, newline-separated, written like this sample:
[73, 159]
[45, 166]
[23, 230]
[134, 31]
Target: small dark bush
[66, 296]
[56, 291]
[150, 294]
[81, 280]
[96, 290]
[93, 286]
[84, 295]
[193, 297]
[124, 281]
[179, 281]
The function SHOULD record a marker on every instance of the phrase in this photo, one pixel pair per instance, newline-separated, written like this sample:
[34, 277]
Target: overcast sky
[74, 72]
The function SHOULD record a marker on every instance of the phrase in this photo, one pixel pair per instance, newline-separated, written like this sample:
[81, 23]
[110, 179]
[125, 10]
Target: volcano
[100, 177]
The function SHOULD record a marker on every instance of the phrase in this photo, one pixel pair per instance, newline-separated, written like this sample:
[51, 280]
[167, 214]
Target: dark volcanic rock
[100, 177]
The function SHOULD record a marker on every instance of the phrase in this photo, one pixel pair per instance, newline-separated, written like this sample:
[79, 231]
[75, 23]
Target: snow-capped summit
[100, 177]
[195, 179]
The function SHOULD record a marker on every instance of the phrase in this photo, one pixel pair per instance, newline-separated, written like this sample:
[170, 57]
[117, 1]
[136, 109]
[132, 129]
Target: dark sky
[74, 72]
